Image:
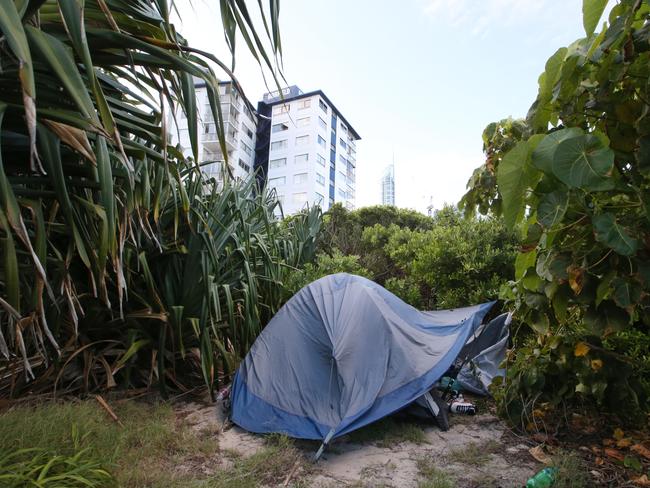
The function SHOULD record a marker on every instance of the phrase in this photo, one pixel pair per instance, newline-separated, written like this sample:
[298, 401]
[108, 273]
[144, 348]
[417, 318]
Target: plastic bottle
[544, 479]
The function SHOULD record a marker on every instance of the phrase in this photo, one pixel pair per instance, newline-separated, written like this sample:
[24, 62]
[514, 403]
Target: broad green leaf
[514, 177]
[605, 319]
[539, 322]
[605, 287]
[626, 292]
[523, 261]
[560, 303]
[592, 11]
[609, 232]
[583, 162]
[542, 157]
[552, 208]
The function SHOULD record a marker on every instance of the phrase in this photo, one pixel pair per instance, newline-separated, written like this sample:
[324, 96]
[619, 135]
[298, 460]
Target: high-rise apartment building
[240, 126]
[306, 150]
[388, 186]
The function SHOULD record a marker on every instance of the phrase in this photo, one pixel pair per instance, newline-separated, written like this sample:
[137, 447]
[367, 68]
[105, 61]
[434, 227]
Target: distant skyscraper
[388, 186]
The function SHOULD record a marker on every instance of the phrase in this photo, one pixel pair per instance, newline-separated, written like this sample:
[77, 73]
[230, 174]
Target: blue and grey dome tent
[342, 353]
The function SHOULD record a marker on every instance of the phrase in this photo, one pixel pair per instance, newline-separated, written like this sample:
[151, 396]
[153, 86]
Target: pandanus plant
[121, 262]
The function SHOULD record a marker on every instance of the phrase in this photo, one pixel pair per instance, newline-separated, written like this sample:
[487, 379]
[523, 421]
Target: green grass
[143, 452]
[474, 454]
[268, 467]
[388, 432]
[572, 471]
[432, 476]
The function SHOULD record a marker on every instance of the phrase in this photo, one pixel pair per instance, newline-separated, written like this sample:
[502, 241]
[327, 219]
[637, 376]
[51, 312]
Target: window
[300, 198]
[249, 132]
[278, 145]
[343, 160]
[302, 122]
[342, 193]
[301, 158]
[318, 198]
[302, 104]
[246, 148]
[302, 140]
[344, 129]
[320, 179]
[279, 128]
[280, 180]
[322, 105]
[343, 145]
[300, 178]
[244, 166]
[322, 123]
[280, 109]
[321, 142]
[277, 163]
[320, 159]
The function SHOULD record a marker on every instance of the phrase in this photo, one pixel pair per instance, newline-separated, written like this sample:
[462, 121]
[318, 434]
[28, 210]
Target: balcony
[211, 140]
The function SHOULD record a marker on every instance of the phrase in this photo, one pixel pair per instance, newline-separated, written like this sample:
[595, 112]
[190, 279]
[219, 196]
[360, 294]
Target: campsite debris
[538, 453]
[449, 385]
[459, 405]
[108, 409]
[544, 479]
[291, 473]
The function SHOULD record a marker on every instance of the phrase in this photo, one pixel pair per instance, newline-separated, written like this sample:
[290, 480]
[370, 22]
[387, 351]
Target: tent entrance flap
[342, 353]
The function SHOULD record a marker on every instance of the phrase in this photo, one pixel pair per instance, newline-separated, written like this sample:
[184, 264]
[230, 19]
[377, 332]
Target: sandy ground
[369, 465]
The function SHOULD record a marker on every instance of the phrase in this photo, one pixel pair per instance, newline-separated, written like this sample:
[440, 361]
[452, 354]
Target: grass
[269, 466]
[572, 471]
[474, 454]
[152, 448]
[143, 452]
[432, 476]
[388, 432]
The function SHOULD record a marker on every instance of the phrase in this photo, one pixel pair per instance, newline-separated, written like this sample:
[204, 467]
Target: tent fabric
[342, 353]
[486, 350]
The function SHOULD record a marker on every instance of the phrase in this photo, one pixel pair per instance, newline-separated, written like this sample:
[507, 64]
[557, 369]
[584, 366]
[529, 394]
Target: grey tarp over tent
[342, 353]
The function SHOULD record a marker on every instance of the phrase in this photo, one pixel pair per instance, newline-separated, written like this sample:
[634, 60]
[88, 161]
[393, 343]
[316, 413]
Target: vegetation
[474, 454]
[574, 176]
[444, 261]
[121, 263]
[143, 450]
[388, 432]
[431, 475]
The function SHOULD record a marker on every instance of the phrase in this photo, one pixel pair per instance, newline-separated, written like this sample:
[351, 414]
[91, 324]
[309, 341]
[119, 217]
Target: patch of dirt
[503, 462]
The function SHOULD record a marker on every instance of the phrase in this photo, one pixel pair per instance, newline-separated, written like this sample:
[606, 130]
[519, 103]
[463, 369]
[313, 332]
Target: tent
[342, 353]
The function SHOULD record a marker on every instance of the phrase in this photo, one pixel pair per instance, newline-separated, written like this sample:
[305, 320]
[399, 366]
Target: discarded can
[462, 407]
[544, 479]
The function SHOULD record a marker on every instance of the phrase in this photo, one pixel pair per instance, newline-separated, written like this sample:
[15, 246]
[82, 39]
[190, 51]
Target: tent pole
[324, 445]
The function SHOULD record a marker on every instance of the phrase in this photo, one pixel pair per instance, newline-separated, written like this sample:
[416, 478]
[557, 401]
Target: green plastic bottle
[544, 479]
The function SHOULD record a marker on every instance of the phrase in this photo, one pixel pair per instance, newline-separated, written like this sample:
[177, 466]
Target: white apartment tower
[388, 186]
[240, 126]
[306, 150]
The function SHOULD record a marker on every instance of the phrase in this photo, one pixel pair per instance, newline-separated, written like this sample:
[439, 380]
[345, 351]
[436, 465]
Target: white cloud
[479, 16]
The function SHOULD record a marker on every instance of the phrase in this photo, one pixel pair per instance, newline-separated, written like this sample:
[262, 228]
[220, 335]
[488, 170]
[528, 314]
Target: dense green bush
[324, 265]
[575, 178]
[444, 261]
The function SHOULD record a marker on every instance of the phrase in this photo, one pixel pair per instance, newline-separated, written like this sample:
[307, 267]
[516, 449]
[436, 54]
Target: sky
[418, 79]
